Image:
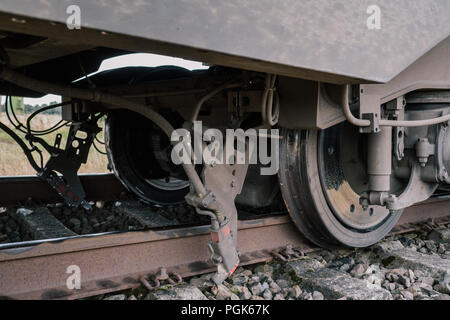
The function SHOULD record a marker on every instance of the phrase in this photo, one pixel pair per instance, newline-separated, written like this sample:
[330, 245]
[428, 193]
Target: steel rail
[115, 262]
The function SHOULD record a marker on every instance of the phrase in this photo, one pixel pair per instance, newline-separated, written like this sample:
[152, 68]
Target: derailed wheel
[321, 176]
[139, 153]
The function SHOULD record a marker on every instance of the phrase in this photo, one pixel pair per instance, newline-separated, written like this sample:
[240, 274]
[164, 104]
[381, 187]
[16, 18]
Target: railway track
[116, 261]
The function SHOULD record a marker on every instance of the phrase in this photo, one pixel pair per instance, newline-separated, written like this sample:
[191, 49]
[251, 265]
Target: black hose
[19, 141]
[29, 131]
[97, 149]
[19, 125]
[56, 127]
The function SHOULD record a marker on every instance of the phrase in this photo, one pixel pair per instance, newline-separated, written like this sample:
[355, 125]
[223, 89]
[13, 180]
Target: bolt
[364, 202]
[330, 150]
[423, 161]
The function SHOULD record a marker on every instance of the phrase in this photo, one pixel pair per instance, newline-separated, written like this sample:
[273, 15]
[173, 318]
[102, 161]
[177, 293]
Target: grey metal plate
[330, 36]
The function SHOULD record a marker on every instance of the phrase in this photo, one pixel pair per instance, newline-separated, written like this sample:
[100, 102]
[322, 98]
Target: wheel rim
[303, 175]
[342, 171]
[133, 152]
[169, 184]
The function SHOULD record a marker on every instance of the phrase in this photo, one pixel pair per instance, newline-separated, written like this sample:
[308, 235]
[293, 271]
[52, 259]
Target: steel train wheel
[139, 154]
[321, 176]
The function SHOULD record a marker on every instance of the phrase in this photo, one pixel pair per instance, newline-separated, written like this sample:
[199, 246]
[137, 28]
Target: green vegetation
[20, 108]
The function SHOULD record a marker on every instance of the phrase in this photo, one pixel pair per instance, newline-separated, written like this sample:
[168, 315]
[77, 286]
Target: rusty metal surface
[97, 187]
[315, 39]
[117, 261]
[431, 71]
[434, 208]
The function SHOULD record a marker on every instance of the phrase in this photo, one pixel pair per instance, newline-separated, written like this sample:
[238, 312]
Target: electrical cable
[97, 149]
[268, 115]
[99, 141]
[29, 131]
[24, 129]
[28, 152]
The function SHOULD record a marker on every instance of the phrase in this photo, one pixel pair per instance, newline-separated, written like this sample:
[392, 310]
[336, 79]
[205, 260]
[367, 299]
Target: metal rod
[387, 123]
[226, 85]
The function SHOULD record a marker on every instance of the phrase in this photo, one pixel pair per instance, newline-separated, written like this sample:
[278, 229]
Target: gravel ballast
[412, 266]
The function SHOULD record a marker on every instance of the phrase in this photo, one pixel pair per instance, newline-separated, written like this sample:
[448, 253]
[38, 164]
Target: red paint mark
[234, 269]
[215, 237]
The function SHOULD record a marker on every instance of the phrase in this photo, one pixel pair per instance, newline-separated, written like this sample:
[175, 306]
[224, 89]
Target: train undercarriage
[350, 156]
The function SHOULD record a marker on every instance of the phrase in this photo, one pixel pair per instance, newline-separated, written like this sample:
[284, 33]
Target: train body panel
[326, 40]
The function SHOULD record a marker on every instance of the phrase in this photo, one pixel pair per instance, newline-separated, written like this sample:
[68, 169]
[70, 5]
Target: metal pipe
[268, 98]
[198, 106]
[415, 123]
[348, 114]
[85, 94]
[387, 123]
[164, 94]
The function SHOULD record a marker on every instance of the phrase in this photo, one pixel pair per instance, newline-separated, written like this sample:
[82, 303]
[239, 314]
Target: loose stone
[256, 288]
[317, 295]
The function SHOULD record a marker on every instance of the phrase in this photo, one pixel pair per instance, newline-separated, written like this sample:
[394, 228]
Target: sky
[136, 59]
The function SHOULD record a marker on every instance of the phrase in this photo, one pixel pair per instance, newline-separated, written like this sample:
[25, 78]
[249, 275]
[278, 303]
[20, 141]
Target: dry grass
[13, 161]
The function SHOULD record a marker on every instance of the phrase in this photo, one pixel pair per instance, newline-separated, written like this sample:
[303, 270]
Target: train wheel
[321, 176]
[139, 154]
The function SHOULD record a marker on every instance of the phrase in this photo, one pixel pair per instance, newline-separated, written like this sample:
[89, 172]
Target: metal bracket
[395, 109]
[443, 135]
[416, 191]
[223, 183]
[161, 277]
[374, 122]
[68, 161]
[399, 142]
[369, 109]
[288, 254]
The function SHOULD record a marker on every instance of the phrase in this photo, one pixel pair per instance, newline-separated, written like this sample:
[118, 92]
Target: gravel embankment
[413, 266]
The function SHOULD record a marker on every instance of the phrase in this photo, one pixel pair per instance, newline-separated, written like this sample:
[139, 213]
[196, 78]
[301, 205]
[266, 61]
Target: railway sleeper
[144, 215]
[42, 224]
[334, 284]
[394, 255]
